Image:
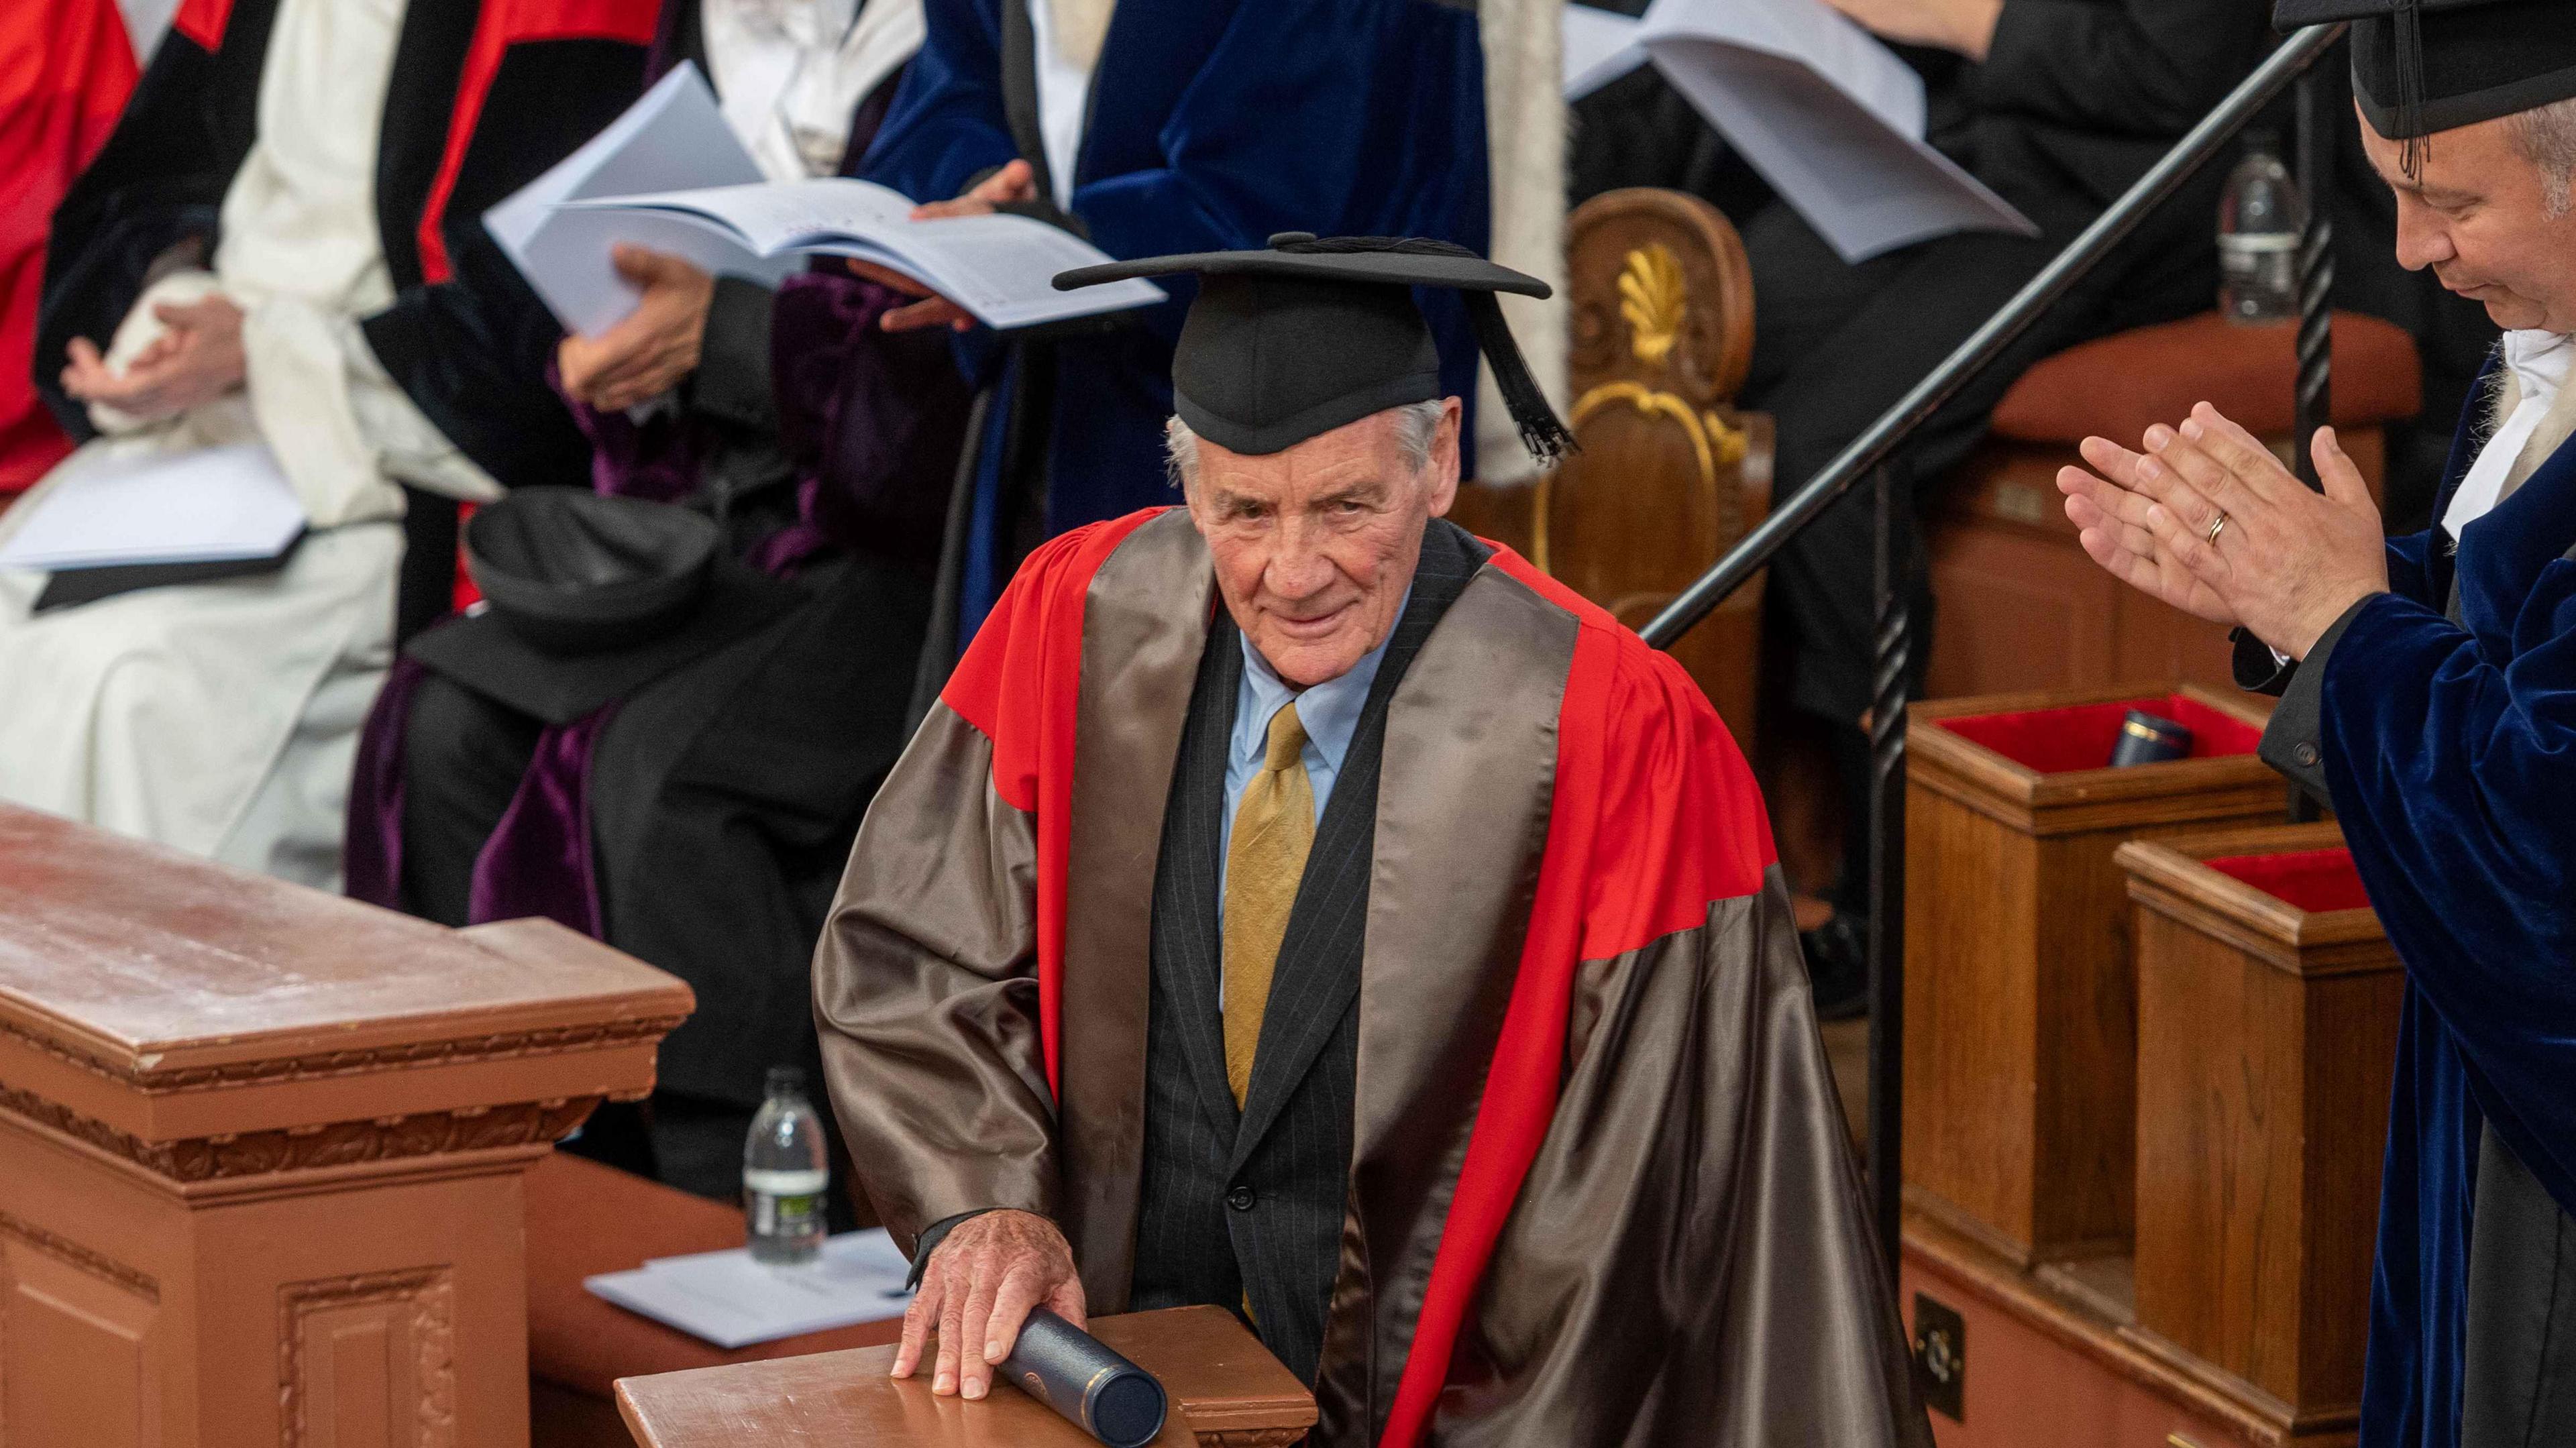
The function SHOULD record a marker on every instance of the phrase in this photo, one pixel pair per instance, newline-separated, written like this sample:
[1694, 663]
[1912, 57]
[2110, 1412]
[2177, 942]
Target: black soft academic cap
[2421, 66]
[591, 598]
[1304, 335]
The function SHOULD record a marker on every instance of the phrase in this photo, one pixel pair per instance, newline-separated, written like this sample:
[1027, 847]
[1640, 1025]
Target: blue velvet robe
[1212, 124]
[2450, 753]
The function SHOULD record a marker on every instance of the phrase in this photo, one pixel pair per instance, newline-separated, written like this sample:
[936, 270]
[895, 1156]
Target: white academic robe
[223, 718]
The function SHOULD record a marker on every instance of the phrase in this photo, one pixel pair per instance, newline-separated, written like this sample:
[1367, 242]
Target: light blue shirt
[1330, 711]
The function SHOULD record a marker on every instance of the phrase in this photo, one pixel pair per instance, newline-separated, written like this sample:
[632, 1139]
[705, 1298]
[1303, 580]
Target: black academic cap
[591, 598]
[574, 571]
[2421, 66]
[1304, 335]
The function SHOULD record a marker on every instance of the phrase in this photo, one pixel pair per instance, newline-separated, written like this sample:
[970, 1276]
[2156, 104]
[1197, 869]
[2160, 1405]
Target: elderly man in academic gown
[282, 244]
[1297, 905]
[2425, 690]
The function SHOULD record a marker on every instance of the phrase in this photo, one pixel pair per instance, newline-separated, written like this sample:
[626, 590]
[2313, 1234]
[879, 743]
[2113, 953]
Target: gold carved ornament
[1653, 300]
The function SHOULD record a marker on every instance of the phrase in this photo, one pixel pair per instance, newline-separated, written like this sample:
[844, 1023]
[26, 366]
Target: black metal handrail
[1868, 457]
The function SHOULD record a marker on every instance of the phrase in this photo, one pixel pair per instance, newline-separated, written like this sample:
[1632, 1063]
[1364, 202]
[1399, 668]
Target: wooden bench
[262, 1150]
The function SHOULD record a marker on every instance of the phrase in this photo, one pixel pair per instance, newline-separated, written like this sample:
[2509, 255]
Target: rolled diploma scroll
[1076, 1374]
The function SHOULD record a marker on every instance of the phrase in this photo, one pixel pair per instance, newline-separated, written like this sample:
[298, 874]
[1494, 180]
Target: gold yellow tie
[1274, 827]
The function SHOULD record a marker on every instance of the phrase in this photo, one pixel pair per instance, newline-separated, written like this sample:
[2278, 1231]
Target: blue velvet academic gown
[2450, 753]
[1213, 124]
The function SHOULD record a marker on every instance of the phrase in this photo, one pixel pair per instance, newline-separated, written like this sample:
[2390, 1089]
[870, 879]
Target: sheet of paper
[1002, 268]
[1600, 47]
[214, 505]
[1828, 115]
[674, 137]
[728, 1299]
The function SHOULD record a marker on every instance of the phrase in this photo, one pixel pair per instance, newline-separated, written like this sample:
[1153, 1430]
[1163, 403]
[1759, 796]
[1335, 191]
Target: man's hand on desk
[197, 359]
[978, 1287]
[2285, 564]
[1015, 181]
[654, 347]
[1966, 26]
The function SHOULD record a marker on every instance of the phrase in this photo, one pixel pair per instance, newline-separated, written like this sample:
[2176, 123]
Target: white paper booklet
[1828, 115]
[214, 505]
[728, 1299]
[999, 267]
[1600, 46]
[674, 137]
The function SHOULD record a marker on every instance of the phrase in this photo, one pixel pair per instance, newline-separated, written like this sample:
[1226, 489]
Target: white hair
[1417, 427]
[2547, 135]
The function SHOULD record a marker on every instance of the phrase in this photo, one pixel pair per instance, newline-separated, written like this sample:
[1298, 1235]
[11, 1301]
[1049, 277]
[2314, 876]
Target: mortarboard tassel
[1541, 430]
[2408, 33]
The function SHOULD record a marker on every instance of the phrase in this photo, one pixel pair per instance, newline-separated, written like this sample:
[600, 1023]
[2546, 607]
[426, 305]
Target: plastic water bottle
[2259, 223]
[785, 1173]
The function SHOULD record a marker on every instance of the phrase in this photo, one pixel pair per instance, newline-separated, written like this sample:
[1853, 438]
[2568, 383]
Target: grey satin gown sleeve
[926, 995]
[1691, 1261]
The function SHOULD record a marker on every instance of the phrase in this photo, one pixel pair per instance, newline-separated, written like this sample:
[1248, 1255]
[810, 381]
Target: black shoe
[1838, 966]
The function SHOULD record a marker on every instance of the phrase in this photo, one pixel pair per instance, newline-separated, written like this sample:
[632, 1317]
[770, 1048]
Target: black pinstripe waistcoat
[1247, 1205]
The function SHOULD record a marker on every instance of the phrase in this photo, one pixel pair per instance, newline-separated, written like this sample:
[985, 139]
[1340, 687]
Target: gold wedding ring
[2217, 526]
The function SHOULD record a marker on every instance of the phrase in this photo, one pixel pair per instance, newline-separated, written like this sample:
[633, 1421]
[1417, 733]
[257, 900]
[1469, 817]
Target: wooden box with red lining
[2268, 1001]
[2021, 1015]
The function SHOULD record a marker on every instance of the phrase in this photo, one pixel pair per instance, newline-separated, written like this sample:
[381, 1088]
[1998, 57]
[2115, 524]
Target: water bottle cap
[786, 1081]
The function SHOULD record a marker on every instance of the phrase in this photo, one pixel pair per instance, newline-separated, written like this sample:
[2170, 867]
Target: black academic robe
[486, 94]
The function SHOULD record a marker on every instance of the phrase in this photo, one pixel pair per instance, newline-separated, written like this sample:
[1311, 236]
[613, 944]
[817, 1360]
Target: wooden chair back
[1669, 475]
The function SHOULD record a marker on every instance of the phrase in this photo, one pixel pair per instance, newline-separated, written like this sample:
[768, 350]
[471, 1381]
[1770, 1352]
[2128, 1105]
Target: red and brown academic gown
[1600, 1188]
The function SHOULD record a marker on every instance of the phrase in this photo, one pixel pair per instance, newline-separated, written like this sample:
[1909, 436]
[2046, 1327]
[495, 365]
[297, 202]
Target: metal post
[1887, 867]
[2315, 403]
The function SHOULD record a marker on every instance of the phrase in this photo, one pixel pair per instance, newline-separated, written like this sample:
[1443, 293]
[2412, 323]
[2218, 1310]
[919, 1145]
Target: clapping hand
[2209, 521]
[1014, 182]
[978, 1288]
[196, 359]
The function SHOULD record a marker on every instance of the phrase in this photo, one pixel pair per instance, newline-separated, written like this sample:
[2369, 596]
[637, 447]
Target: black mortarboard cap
[591, 598]
[1305, 335]
[2421, 66]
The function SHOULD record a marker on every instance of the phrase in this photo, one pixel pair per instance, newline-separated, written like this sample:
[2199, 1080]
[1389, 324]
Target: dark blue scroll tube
[2149, 739]
[1076, 1374]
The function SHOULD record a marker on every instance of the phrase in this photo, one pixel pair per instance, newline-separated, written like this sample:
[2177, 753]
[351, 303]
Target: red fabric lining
[203, 21]
[66, 68]
[1647, 828]
[2316, 881]
[502, 24]
[2081, 736]
[1021, 684]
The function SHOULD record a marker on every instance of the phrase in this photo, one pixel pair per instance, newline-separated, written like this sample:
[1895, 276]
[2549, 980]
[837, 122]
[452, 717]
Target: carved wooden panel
[368, 1361]
[1669, 475]
[76, 1346]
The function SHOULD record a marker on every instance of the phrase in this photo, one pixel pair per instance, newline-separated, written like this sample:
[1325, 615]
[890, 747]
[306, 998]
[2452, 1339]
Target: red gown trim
[203, 21]
[502, 24]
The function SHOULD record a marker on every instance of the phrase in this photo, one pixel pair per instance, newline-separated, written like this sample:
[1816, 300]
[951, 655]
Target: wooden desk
[1226, 1391]
[260, 1149]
